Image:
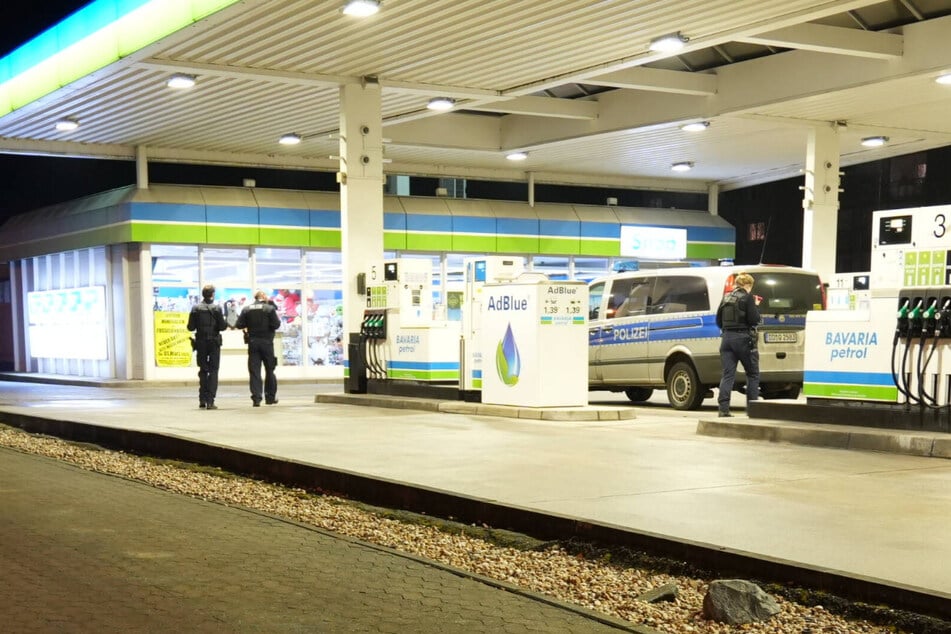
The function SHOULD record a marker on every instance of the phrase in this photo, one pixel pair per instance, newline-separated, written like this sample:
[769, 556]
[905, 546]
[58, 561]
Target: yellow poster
[172, 346]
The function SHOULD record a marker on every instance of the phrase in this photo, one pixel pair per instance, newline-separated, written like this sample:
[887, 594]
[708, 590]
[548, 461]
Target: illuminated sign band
[653, 243]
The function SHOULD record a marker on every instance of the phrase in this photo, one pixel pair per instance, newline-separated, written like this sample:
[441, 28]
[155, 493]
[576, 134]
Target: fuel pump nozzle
[915, 322]
[901, 326]
[929, 319]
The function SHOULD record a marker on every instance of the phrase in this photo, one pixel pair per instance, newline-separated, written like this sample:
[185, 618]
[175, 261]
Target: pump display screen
[894, 230]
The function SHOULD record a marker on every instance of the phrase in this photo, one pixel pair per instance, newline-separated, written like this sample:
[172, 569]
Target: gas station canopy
[574, 84]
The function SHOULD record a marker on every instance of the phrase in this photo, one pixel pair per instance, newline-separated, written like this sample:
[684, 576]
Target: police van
[656, 329]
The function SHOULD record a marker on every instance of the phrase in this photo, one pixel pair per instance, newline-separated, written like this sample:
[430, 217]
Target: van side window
[629, 297]
[681, 294]
[595, 293]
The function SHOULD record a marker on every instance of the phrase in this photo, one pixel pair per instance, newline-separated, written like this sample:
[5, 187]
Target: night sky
[28, 182]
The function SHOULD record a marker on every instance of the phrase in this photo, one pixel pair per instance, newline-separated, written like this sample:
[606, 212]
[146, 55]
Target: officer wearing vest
[737, 318]
[207, 321]
[259, 321]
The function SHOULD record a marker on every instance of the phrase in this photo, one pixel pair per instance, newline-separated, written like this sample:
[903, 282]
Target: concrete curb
[566, 414]
[925, 444]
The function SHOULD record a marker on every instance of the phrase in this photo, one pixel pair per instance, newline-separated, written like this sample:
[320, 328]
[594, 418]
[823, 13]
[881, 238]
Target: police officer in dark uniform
[260, 321]
[737, 318]
[207, 321]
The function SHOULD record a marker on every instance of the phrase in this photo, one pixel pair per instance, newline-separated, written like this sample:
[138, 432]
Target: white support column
[531, 189]
[141, 167]
[361, 191]
[820, 202]
[713, 199]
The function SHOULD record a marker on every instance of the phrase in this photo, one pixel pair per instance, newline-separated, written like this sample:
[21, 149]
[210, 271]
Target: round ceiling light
[683, 166]
[290, 139]
[874, 141]
[517, 156]
[67, 125]
[180, 81]
[361, 8]
[441, 103]
[695, 126]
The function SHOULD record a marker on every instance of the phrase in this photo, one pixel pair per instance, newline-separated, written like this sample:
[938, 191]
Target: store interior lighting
[441, 103]
[669, 43]
[874, 141]
[180, 81]
[683, 166]
[517, 156]
[290, 139]
[361, 8]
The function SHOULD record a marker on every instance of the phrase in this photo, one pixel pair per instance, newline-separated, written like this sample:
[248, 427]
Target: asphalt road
[86, 552]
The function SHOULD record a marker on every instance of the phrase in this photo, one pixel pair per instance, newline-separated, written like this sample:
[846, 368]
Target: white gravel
[597, 585]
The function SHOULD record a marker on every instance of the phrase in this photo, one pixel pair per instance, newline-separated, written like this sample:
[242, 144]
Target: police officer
[737, 318]
[207, 321]
[260, 320]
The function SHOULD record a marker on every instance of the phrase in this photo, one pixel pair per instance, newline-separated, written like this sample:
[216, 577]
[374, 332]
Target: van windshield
[786, 293]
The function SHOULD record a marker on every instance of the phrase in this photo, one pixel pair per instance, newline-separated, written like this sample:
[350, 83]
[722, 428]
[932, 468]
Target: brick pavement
[86, 552]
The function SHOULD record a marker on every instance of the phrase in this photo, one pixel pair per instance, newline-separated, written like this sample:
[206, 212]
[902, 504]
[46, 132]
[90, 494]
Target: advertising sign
[172, 346]
[68, 323]
[653, 243]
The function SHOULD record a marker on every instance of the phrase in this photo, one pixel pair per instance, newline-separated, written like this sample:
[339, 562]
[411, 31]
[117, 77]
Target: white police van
[656, 329]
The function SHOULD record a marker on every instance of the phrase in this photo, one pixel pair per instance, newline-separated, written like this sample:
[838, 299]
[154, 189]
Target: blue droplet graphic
[508, 362]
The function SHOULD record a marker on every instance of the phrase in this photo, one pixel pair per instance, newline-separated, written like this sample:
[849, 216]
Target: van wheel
[683, 387]
[638, 394]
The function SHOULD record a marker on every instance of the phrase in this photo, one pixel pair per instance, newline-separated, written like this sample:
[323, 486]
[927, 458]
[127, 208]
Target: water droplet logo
[507, 360]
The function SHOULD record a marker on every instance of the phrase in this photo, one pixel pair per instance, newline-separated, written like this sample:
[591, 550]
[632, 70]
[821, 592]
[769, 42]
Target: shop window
[556, 268]
[323, 312]
[586, 269]
[174, 291]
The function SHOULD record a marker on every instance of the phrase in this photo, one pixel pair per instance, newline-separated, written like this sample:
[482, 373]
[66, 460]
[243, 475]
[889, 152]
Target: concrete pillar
[713, 199]
[361, 191]
[141, 167]
[820, 202]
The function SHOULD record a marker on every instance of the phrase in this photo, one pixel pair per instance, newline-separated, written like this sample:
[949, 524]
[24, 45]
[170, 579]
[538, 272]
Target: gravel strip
[594, 584]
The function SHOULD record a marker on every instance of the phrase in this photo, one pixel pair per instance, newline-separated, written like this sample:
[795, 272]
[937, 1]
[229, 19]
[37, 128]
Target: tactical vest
[207, 326]
[733, 315]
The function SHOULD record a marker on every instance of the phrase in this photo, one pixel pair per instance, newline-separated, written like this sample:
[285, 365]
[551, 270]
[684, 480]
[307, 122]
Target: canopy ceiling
[572, 82]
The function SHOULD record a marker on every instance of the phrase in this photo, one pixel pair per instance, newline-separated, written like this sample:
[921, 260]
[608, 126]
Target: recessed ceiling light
[441, 103]
[696, 126]
[361, 8]
[874, 141]
[290, 139]
[669, 43]
[67, 125]
[517, 156]
[944, 79]
[180, 81]
[683, 166]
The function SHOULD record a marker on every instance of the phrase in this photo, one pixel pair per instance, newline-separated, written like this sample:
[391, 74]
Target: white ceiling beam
[452, 130]
[658, 80]
[746, 86]
[815, 12]
[541, 107]
[314, 79]
[822, 38]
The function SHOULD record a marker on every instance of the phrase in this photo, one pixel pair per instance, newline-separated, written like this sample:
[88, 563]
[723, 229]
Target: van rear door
[787, 295]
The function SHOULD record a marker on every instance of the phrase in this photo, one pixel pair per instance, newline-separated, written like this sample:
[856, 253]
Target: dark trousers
[738, 347]
[261, 351]
[208, 355]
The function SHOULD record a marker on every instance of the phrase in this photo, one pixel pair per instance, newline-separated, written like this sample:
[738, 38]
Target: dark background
[768, 218]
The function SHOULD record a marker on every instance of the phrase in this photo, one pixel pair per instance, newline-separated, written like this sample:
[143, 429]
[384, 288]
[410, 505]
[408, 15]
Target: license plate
[780, 337]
